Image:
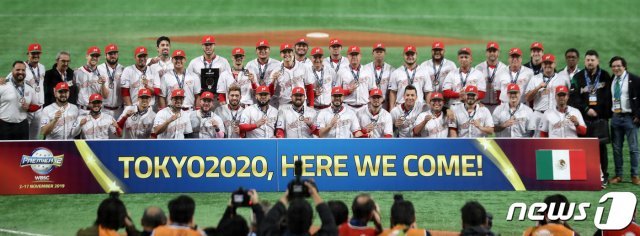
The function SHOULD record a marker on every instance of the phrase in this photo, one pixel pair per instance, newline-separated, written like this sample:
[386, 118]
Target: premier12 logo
[42, 162]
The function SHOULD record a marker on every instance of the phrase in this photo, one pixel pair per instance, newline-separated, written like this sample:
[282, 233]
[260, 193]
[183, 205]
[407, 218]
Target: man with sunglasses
[57, 119]
[137, 121]
[96, 124]
[89, 80]
[179, 78]
[240, 77]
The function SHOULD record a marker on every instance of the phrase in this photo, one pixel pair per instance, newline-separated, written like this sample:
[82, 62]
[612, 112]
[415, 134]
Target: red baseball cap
[337, 91]
[206, 95]
[34, 47]
[379, 46]
[375, 92]
[297, 90]
[436, 96]
[549, 58]
[513, 88]
[177, 93]
[95, 97]
[61, 86]
[285, 46]
[494, 45]
[207, 39]
[93, 50]
[140, 51]
[354, 50]
[537, 45]
[317, 51]
[464, 50]
[409, 48]
[111, 48]
[515, 51]
[144, 92]
[262, 43]
[302, 41]
[471, 89]
[179, 53]
[335, 42]
[237, 51]
[262, 89]
[562, 89]
[437, 45]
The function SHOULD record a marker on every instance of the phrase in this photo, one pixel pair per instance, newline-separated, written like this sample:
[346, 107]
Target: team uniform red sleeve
[498, 97]
[122, 121]
[222, 98]
[364, 133]
[388, 136]
[279, 133]
[481, 95]
[254, 86]
[33, 107]
[311, 97]
[247, 127]
[125, 92]
[272, 88]
[157, 92]
[118, 131]
[153, 136]
[314, 129]
[581, 130]
[544, 134]
[450, 94]
[347, 92]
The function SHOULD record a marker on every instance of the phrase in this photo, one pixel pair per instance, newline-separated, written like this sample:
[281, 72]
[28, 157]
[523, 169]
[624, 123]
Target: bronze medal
[301, 118]
[37, 89]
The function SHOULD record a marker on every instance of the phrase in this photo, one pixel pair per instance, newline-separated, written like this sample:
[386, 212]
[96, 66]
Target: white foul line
[21, 233]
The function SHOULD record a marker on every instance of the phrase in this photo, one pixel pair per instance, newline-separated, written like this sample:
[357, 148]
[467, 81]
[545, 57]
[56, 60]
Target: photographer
[234, 224]
[474, 220]
[181, 211]
[298, 216]
[403, 219]
[364, 209]
[112, 216]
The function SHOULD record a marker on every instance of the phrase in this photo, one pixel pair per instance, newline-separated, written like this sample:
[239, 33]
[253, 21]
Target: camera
[297, 188]
[240, 198]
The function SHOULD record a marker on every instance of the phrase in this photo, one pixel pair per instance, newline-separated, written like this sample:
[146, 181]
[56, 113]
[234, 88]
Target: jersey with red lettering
[64, 126]
[382, 123]
[439, 72]
[436, 127]
[95, 128]
[239, 79]
[263, 71]
[203, 124]
[140, 124]
[492, 85]
[252, 114]
[325, 79]
[364, 80]
[197, 64]
[293, 122]
[420, 78]
[298, 76]
[465, 121]
[457, 81]
[177, 128]
[346, 125]
[559, 125]
[88, 83]
[408, 117]
[134, 79]
[188, 82]
[520, 114]
[520, 77]
[382, 76]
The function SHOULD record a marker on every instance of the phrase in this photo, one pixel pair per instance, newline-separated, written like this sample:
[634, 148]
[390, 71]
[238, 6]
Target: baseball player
[35, 78]
[375, 121]
[438, 65]
[572, 58]
[137, 120]
[208, 124]
[95, 124]
[240, 77]
[297, 120]
[209, 59]
[57, 119]
[382, 72]
[263, 65]
[514, 74]
[540, 89]
[112, 70]
[409, 74]
[340, 121]
[172, 122]
[537, 51]
[433, 123]
[456, 81]
[325, 79]
[162, 63]
[301, 47]
[289, 75]
[471, 119]
[490, 68]
[335, 60]
[356, 80]
[231, 112]
[562, 121]
[16, 99]
[138, 76]
[259, 120]
[511, 119]
[404, 115]
[179, 78]
[89, 80]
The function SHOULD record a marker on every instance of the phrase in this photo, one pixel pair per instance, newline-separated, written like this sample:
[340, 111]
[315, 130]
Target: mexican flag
[561, 165]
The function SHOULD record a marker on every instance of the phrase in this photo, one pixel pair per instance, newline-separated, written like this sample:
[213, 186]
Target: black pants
[14, 131]
[604, 160]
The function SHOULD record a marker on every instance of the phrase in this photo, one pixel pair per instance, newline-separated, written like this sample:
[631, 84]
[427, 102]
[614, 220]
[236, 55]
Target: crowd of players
[312, 94]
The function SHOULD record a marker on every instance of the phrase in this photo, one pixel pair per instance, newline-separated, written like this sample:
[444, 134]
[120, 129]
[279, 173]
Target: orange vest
[169, 230]
[549, 229]
[400, 230]
[632, 228]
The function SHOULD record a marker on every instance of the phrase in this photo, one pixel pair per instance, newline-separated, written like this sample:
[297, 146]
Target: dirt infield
[318, 37]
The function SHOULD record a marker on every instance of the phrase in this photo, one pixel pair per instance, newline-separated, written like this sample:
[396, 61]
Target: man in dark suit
[625, 92]
[60, 72]
[591, 94]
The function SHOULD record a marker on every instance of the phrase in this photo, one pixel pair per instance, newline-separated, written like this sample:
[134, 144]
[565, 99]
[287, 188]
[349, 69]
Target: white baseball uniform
[94, 128]
[464, 118]
[204, 126]
[346, 125]
[261, 71]
[189, 82]
[64, 126]
[325, 79]
[545, 98]
[10, 96]
[139, 125]
[199, 63]
[382, 123]
[132, 79]
[35, 78]
[306, 62]
[569, 74]
[252, 114]
[231, 119]
[558, 124]
[522, 116]
[161, 67]
[87, 81]
[436, 127]
[292, 121]
[114, 100]
[382, 76]
[229, 79]
[439, 73]
[457, 81]
[408, 117]
[298, 76]
[491, 83]
[343, 63]
[402, 77]
[365, 80]
[177, 128]
[520, 77]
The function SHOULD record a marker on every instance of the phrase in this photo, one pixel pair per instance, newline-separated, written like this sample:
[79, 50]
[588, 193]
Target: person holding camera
[181, 211]
[234, 224]
[364, 209]
[112, 216]
[403, 219]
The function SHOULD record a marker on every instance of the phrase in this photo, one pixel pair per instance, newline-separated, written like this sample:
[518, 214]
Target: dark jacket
[579, 95]
[476, 231]
[634, 94]
[270, 226]
[53, 77]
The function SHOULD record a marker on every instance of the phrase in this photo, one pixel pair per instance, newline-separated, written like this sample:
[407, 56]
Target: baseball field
[610, 27]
